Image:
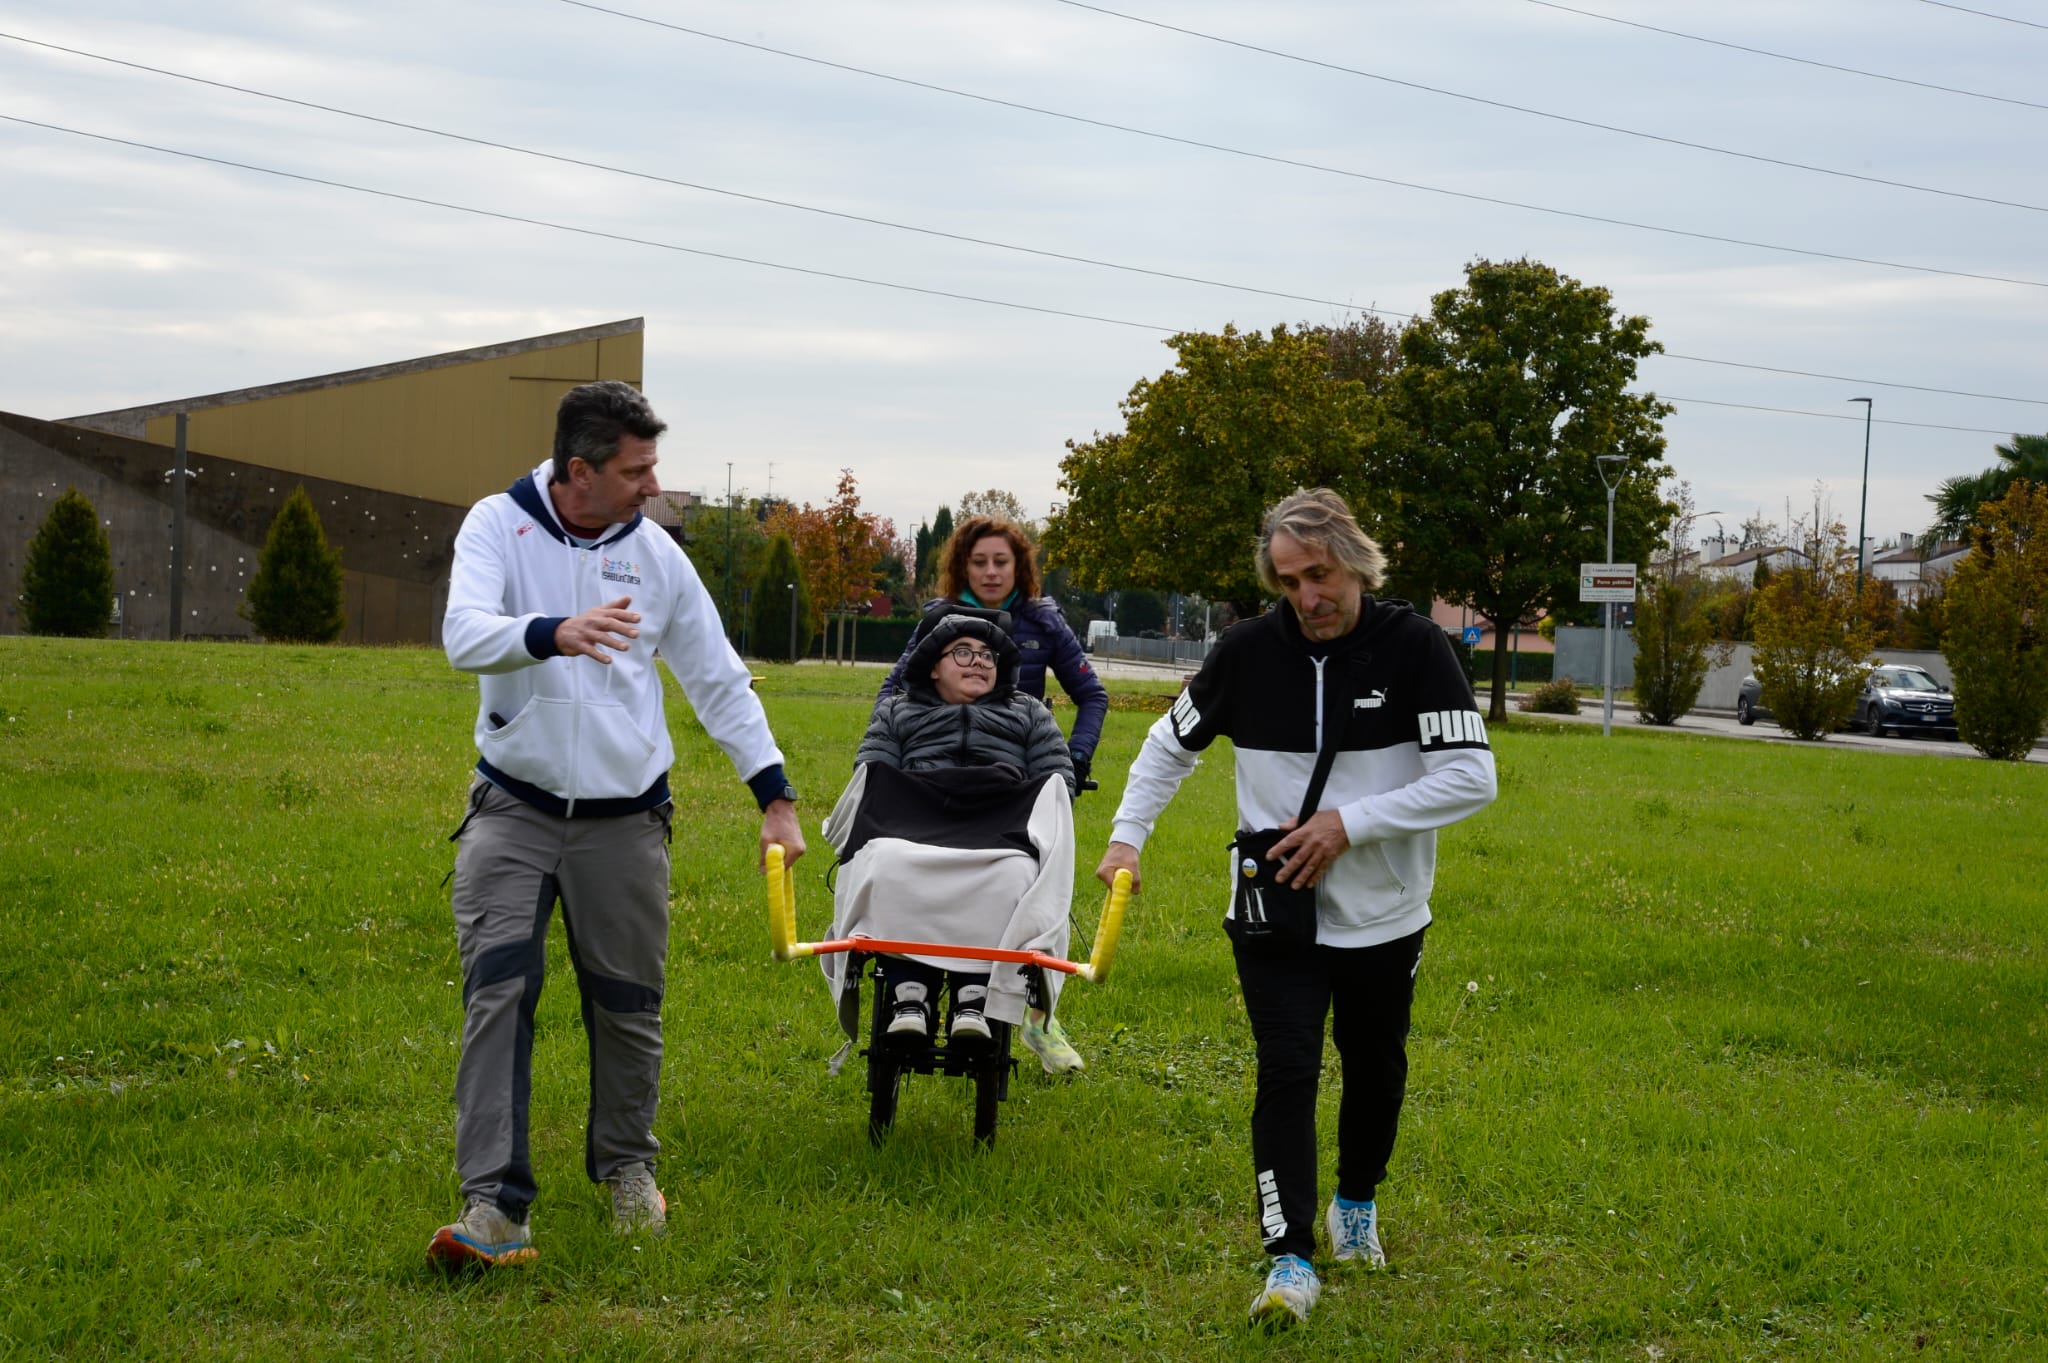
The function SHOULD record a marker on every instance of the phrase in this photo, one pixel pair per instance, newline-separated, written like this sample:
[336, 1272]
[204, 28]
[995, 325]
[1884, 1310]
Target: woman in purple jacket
[992, 563]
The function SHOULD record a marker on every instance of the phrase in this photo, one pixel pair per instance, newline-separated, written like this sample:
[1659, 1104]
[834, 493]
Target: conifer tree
[296, 594]
[67, 582]
[769, 624]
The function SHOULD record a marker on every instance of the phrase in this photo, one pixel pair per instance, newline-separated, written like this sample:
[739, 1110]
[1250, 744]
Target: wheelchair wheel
[885, 1080]
[988, 1094]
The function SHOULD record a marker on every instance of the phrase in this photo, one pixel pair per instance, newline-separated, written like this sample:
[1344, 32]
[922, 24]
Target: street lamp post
[1862, 502]
[1607, 607]
[792, 622]
[730, 632]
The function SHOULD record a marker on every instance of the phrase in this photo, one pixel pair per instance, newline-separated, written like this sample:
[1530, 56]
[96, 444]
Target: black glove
[1081, 766]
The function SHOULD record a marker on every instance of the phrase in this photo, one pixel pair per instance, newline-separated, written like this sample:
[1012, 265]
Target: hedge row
[1523, 666]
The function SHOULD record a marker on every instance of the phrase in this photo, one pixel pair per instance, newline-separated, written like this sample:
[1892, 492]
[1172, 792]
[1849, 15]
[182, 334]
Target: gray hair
[593, 416]
[1317, 518]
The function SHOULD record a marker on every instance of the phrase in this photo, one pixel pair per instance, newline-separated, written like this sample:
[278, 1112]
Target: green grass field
[1753, 1067]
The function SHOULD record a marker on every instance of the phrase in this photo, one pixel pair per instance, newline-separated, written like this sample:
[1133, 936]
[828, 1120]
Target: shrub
[67, 582]
[1674, 643]
[297, 592]
[768, 626]
[1812, 648]
[1997, 615]
[1559, 697]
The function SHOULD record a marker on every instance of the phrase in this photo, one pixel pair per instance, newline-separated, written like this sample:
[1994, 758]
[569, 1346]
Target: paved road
[1717, 723]
[1722, 724]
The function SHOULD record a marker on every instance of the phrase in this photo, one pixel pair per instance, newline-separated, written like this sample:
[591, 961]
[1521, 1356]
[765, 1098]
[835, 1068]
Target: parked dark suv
[1904, 700]
[1894, 699]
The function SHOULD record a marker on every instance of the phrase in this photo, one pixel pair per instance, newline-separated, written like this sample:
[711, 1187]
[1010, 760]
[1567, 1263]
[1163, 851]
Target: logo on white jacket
[524, 526]
[1450, 726]
[620, 570]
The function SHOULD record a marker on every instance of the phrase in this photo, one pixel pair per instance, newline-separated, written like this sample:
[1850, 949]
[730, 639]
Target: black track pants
[1367, 992]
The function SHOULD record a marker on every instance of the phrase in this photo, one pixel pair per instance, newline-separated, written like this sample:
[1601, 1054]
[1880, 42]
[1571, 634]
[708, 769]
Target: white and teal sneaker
[1355, 1232]
[1289, 1294]
[1048, 1041]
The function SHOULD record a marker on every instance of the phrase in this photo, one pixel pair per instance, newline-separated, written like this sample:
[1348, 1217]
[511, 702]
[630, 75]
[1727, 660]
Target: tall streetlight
[1607, 607]
[1862, 502]
[792, 622]
[730, 631]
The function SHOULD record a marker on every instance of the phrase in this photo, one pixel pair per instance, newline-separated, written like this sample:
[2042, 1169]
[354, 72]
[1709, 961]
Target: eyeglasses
[971, 657]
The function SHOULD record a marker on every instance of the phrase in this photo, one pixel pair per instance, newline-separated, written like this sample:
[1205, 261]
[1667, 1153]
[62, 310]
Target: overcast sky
[134, 276]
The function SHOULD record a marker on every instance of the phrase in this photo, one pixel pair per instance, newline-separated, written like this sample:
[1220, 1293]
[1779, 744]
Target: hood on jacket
[1375, 614]
[947, 624]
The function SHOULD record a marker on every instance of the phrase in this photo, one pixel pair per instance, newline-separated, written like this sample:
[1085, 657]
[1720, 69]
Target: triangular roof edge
[496, 350]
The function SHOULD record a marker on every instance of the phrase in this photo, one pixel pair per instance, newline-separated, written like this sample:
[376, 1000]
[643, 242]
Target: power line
[697, 185]
[1850, 378]
[585, 231]
[1758, 157]
[1784, 57]
[913, 228]
[1984, 14]
[1272, 159]
[1831, 416]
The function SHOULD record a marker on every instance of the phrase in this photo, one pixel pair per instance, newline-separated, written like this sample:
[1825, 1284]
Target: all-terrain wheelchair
[982, 864]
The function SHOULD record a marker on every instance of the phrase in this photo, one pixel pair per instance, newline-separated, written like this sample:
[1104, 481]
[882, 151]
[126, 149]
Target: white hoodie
[572, 728]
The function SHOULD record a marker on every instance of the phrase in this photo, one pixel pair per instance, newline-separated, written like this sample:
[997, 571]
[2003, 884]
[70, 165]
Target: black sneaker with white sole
[911, 1019]
[968, 1027]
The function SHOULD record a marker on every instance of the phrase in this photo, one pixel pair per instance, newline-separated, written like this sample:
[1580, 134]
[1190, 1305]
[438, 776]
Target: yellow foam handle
[1109, 929]
[781, 906]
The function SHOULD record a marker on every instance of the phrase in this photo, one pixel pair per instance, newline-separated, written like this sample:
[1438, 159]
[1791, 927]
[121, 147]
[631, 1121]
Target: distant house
[1911, 570]
[1740, 566]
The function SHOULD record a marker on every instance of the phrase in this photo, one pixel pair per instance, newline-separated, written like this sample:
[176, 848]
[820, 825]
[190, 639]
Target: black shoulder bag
[1267, 917]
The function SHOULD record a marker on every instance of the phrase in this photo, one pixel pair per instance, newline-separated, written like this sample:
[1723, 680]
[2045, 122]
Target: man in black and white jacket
[1411, 757]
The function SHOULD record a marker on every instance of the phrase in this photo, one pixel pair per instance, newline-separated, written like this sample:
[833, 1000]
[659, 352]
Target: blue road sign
[1472, 635]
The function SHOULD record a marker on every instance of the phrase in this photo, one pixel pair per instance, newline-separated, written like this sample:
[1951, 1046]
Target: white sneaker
[910, 1022]
[637, 1205]
[1355, 1232]
[483, 1237]
[1289, 1294]
[968, 1026]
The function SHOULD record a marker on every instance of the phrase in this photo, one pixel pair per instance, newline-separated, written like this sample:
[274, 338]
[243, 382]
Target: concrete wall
[1579, 647]
[395, 550]
[1579, 656]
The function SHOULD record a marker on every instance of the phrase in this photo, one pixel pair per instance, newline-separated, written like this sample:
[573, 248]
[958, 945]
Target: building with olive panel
[392, 457]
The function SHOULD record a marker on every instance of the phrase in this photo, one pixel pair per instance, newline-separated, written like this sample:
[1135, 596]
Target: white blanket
[988, 897]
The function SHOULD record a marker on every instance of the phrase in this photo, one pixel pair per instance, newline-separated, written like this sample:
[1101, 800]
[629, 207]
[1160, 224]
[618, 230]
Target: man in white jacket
[562, 593]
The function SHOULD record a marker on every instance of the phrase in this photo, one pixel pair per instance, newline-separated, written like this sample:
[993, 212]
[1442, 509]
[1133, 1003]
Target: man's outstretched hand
[610, 626]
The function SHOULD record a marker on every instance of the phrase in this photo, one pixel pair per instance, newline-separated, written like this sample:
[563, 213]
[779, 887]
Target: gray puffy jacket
[914, 731]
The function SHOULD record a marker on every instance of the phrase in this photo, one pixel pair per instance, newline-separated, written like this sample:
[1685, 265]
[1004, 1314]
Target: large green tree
[717, 535]
[1956, 503]
[297, 592]
[1997, 612]
[1172, 502]
[1485, 487]
[67, 581]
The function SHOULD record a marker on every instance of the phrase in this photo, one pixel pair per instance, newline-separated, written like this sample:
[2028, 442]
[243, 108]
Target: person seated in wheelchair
[962, 709]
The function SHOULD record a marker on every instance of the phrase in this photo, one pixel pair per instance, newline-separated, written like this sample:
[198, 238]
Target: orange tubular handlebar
[785, 947]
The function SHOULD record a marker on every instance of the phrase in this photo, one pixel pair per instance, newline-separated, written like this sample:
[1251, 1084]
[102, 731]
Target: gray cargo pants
[611, 876]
